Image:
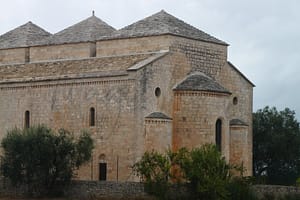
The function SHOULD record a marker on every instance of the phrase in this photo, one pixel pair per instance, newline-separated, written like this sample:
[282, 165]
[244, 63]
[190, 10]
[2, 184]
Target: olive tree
[40, 158]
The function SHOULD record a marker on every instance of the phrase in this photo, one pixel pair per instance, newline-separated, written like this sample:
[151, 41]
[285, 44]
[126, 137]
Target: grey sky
[264, 35]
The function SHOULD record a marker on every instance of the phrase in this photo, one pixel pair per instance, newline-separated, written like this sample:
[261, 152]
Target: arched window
[219, 134]
[27, 119]
[92, 116]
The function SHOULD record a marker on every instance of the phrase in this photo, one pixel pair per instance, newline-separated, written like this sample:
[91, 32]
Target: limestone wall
[133, 45]
[202, 56]
[242, 90]
[18, 55]
[47, 53]
[66, 104]
[158, 135]
[162, 74]
[61, 93]
[205, 57]
[64, 51]
[238, 146]
[195, 115]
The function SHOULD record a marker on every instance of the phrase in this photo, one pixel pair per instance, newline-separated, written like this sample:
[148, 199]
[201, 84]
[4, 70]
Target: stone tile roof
[158, 115]
[200, 82]
[26, 35]
[148, 61]
[69, 69]
[163, 23]
[87, 30]
[237, 122]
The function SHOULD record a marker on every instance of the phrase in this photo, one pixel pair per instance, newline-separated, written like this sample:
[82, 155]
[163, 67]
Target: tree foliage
[207, 172]
[155, 170]
[203, 169]
[39, 158]
[276, 145]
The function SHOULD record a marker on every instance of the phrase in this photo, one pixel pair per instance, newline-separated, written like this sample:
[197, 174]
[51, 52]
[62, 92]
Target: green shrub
[203, 171]
[154, 169]
[40, 158]
[207, 172]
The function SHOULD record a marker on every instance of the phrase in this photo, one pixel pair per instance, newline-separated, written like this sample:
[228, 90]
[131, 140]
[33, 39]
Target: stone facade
[157, 91]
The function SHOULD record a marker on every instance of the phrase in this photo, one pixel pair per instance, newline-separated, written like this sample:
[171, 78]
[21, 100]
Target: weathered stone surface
[200, 82]
[26, 35]
[162, 23]
[87, 30]
[118, 78]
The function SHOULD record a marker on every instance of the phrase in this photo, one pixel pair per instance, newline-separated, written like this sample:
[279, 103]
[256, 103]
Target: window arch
[27, 119]
[92, 116]
[219, 134]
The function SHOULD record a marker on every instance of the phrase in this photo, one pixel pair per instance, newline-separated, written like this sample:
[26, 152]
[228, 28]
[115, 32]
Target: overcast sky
[264, 35]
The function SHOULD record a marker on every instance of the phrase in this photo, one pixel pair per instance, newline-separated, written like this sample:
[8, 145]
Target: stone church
[158, 83]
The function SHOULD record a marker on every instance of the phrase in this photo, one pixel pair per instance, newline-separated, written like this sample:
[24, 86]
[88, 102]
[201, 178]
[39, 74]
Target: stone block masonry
[91, 76]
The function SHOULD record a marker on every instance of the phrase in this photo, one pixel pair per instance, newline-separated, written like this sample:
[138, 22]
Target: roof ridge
[89, 29]
[23, 36]
[161, 23]
[83, 21]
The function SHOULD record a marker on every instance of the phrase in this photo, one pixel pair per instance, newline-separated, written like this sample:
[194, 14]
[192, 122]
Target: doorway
[102, 171]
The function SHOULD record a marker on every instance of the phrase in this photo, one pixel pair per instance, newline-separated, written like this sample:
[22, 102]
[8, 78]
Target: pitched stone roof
[158, 115]
[26, 35]
[70, 69]
[200, 82]
[89, 29]
[237, 122]
[163, 23]
[154, 57]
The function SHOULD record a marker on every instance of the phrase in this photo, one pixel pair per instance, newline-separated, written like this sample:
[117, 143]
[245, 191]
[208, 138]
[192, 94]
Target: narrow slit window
[92, 116]
[27, 119]
[219, 134]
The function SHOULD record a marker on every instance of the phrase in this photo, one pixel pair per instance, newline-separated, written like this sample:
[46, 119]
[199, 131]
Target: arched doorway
[102, 168]
[219, 134]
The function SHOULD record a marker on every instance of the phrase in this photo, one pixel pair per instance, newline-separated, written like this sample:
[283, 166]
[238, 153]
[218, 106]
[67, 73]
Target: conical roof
[163, 23]
[89, 29]
[26, 35]
[198, 81]
[158, 115]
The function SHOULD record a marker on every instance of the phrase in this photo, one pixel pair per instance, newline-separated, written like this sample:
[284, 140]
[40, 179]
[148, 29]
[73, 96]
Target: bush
[40, 158]
[207, 172]
[154, 169]
[203, 170]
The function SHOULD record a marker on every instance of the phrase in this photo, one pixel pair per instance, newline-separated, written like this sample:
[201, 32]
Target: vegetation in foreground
[202, 171]
[39, 158]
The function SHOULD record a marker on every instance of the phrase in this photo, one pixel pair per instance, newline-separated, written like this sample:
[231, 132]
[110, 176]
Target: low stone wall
[86, 190]
[109, 190]
[275, 191]
[105, 190]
